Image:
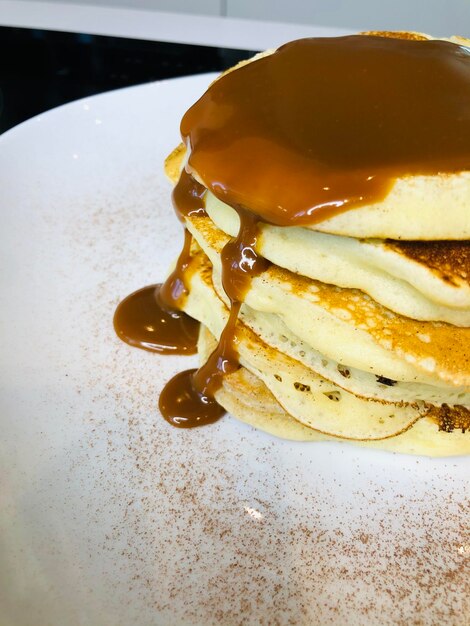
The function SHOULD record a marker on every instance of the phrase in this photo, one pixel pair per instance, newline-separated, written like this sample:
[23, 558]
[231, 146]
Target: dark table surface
[42, 69]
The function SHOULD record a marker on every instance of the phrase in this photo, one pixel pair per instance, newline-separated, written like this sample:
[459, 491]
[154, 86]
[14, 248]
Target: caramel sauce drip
[188, 197]
[325, 125]
[150, 318]
[240, 261]
[187, 400]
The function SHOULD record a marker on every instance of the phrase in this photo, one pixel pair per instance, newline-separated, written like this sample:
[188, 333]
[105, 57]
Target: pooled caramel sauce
[325, 125]
[141, 321]
[317, 128]
[184, 406]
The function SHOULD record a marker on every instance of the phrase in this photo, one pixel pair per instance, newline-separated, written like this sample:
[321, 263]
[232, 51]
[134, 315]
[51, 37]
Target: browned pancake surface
[449, 260]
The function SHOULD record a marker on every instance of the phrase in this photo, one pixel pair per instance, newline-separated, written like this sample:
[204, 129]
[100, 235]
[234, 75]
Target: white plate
[112, 517]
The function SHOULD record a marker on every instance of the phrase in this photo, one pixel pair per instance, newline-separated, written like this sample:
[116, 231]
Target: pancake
[248, 399]
[270, 329]
[301, 403]
[367, 336]
[422, 280]
[439, 201]
[289, 379]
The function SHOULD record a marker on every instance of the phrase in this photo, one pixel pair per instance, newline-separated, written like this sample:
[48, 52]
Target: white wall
[436, 17]
[202, 7]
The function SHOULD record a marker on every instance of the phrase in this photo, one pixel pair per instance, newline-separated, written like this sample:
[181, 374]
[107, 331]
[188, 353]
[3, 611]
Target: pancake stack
[357, 325]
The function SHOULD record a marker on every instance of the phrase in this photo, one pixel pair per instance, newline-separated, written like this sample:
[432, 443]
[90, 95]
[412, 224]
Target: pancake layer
[247, 397]
[422, 280]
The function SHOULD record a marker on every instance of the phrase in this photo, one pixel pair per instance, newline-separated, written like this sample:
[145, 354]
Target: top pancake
[418, 202]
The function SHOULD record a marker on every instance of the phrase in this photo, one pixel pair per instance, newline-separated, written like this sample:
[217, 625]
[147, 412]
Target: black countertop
[43, 69]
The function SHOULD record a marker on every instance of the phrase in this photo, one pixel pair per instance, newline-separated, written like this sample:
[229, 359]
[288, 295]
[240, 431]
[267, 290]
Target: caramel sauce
[240, 261]
[187, 400]
[325, 125]
[141, 321]
[174, 290]
[150, 318]
[183, 406]
[188, 197]
[317, 128]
